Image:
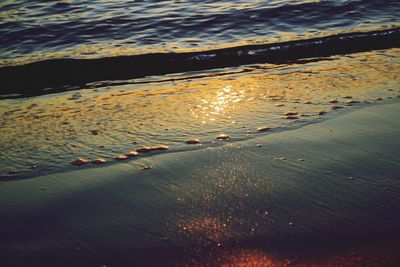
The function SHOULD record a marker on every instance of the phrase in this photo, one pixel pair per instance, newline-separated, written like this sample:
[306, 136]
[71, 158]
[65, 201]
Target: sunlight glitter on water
[60, 127]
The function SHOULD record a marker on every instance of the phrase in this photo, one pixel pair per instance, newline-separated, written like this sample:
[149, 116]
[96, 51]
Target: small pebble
[378, 99]
[94, 132]
[151, 148]
[336, 107]
[99, 161]
[263, 129]
[290, 117]
[291, 113]
[333, 101]
[321, 113]
[300, 159]
[279, 105]
[353, 102]
[121, 157]
[192, 141]
[259, 145]
[348, 96]
[132, 154]
[146, 168]
[307, 102]
[79, 162]
[222, 137]
[290, 223]
[281, 158]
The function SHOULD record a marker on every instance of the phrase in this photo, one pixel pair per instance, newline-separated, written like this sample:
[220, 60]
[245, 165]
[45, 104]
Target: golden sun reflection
[219, 103]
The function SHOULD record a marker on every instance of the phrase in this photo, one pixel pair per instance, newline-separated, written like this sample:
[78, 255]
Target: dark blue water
[36, 30]
[97, 41]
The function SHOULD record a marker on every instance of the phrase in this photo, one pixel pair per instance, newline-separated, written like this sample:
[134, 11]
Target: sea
[100, 78]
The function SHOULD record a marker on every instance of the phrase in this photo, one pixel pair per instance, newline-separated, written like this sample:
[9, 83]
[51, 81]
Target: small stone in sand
[336, 107]
[290, 223]
[307, 102]
[248, 132]
[33, 167]
[121, 157]
[290, 117]
[300, 159]
[348, 96]
[279, 105]
[79, 162]
[321, 113]
[333, 101]
[353, 102]
[99, 161]
[281, 158]
[378, 99]
[146, 168]
[132, 154]
[259, 145]
[94, 132]
[290, 113]
[222, 137]
[263, 129]
[192, 141]
[151, 148]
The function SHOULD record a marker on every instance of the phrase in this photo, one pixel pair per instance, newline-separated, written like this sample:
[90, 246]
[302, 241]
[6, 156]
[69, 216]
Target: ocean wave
[57, 75]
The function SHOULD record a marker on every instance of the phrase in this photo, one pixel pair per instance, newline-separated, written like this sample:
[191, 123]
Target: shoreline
[306, 192]
[206, 144]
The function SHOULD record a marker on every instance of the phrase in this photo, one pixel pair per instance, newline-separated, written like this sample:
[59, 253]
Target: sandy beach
[325, 194]
[199, 133]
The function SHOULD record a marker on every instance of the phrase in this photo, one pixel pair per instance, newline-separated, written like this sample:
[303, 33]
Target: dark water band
[57, 75]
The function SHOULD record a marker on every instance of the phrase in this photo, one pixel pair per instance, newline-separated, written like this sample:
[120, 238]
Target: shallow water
[50, 131]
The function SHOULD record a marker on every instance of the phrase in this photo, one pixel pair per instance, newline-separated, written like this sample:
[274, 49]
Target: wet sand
[324, 194]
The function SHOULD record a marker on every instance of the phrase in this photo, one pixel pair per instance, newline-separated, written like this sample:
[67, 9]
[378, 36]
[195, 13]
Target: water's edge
[57, 75]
